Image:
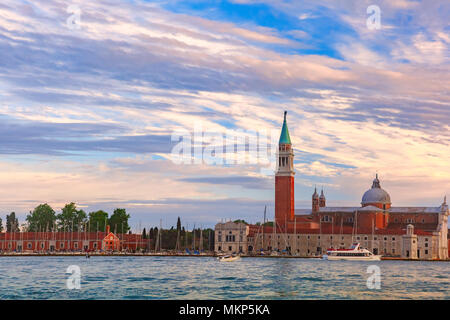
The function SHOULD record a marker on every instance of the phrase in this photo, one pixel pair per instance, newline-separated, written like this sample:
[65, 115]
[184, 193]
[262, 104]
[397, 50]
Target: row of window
[42, 245]
[283, 162]
[229, 238]
[342, 238]
[330, 219]
[350, 219]
[409, 220]
[230, 232]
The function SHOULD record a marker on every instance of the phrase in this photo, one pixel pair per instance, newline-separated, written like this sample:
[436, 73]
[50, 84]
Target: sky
[90, 99]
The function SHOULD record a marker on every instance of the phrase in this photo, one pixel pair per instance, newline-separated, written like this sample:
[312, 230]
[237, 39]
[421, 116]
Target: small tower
[409, 247]
[284, 179]
[322, 200]
[315, 201]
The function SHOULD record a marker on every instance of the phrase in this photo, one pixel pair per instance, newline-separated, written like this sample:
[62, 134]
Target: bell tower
[315, 201]
[284, 179]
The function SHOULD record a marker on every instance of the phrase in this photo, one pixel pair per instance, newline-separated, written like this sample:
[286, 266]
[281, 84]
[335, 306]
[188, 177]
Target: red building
[68, 241]
[110, 242]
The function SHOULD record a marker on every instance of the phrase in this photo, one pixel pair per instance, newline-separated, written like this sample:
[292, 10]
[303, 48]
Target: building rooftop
[371, 209]
[415, 209]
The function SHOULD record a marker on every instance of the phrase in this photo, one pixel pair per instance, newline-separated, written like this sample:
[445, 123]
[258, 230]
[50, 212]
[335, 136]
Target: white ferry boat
[355, 253]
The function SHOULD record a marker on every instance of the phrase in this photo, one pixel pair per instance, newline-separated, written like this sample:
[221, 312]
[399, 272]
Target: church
[401, 232]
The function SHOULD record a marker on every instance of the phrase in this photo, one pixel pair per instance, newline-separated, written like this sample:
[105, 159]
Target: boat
[229, 258]
[355, 253]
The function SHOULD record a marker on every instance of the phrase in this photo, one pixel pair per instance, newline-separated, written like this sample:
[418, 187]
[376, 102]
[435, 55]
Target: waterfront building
[404, 232]
[70, 241]
[110, 242]
[231, 237]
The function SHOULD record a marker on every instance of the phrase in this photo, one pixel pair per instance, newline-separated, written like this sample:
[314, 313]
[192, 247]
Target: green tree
[119, 221]
[71, 219]
[97, 221]
[178, 224]
[144, 234]
[1, 225]
[42, 218]
[12, 223]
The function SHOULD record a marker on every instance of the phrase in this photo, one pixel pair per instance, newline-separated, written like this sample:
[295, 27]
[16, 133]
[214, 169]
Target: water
[206, 278]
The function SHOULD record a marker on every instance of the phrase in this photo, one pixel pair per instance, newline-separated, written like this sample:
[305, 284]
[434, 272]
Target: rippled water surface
[206, 278]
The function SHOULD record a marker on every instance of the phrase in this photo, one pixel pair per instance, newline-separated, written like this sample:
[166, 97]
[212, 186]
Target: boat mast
[200, 246]
[157, 238]
[185, 236]
[332, 230]
[320, 233]
[264, 222]
[222, 235]
[239, 237]
[285, 234]
[160, 234]
[373, 234]
[295, 234]
[353, 227]
[177, 245]
[255, 240]
[275, 229]
[193, 239]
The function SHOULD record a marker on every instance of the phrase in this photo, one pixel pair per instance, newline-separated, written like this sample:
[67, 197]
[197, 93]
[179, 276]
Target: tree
[144, 234]
[1, 225]
[42, 217]
[12, 223]
[97, 221]
[71, 219]
[178, 224]
[119, 221]
[150, 233]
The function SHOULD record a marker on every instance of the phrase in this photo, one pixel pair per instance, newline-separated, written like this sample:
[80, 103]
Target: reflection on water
[206, 278]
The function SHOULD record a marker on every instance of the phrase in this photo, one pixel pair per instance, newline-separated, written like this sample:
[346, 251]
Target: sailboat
[274, 252]
[229, 258]
[263, 226]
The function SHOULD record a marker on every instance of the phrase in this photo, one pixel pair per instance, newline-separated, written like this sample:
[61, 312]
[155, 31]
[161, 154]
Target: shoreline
[184, 255]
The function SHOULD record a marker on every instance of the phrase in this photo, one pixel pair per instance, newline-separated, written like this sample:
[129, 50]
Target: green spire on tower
[285, 138]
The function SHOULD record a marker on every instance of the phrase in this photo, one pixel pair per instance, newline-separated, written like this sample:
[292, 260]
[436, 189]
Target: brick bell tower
[284, 180]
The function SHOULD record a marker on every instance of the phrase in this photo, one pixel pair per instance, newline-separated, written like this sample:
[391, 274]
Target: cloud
[67, 138]
[87, 114]
[245, 182]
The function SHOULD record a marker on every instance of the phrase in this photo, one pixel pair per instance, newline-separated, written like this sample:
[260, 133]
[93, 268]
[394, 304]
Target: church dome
[376, 194]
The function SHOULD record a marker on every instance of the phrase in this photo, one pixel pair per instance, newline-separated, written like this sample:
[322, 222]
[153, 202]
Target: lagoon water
[206, 278]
